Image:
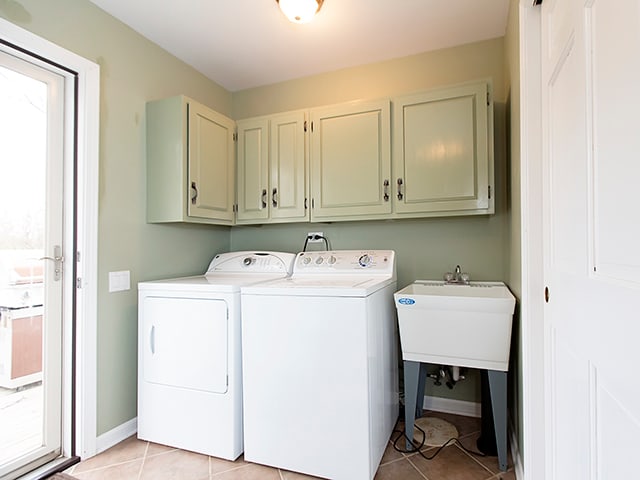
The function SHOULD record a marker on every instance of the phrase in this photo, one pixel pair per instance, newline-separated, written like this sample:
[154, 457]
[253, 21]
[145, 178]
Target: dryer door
[185, 342]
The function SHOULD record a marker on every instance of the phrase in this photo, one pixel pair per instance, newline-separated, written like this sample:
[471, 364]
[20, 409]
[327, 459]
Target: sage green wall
[132, 70]
[425, 248]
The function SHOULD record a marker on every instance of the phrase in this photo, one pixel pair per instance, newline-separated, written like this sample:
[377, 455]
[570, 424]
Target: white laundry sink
[461, 325]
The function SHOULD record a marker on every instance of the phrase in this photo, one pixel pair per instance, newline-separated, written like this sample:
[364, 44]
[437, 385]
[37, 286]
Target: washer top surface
[227, 272]
[338, 273]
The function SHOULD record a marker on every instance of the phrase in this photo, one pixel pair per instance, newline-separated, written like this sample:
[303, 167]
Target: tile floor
[134, 459]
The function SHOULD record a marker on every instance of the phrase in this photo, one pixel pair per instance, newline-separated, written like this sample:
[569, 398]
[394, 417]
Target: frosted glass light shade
[300, 11]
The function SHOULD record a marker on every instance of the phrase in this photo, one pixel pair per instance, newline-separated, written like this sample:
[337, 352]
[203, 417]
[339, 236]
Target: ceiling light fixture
[300, 11]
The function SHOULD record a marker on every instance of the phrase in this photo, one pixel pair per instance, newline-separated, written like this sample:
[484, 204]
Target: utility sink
[467, 325]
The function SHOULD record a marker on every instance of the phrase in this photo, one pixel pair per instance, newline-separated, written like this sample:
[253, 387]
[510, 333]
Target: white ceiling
[241, 44]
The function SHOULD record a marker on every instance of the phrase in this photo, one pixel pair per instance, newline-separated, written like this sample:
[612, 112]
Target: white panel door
[590, 78]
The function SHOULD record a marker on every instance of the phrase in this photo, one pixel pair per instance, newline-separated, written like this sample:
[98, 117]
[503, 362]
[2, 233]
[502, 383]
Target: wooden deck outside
[21, 412]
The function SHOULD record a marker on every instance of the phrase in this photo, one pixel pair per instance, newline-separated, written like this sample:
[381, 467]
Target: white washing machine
[189, 353]
[320, 369]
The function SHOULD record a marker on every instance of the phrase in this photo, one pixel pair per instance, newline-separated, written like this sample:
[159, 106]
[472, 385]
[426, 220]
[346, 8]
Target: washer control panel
[345, 261]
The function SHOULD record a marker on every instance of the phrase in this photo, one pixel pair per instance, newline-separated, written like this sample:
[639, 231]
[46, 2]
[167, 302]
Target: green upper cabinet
[190, 163]
[443, 152]
[350, 161]
[272, 169]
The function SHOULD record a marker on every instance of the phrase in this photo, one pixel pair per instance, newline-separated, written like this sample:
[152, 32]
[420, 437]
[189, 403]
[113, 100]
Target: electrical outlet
[312, 237]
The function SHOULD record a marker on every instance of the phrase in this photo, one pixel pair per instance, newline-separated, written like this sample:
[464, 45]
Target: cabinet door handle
[194, 193]
[386, 190]
[274, 199]
[400, 195]
[264, 198]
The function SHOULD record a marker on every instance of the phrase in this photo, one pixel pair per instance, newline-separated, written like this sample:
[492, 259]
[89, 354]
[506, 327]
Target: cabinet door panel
[288, 167]
[253, 170]
[350, 160]
[210, 163]
[442, 156]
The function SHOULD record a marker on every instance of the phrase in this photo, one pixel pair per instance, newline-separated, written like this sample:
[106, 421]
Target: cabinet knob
[264, 198]
[400, 195]
[274, 199]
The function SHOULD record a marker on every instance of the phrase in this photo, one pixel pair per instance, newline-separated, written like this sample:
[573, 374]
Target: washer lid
[224, 283]
[321, 285]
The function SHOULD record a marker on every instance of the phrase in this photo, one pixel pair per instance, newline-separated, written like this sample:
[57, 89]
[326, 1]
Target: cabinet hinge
[313, 203]
[489, 192]
[235, 208]
[488, 98]
[311, 127]
[305, 125]
[235, 137]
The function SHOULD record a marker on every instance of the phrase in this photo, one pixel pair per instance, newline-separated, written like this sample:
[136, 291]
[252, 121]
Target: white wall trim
[88, 158]
[116, 435]
[448, 405]
[532, 451]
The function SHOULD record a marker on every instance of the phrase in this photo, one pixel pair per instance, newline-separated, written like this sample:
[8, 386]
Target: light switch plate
[119, 281]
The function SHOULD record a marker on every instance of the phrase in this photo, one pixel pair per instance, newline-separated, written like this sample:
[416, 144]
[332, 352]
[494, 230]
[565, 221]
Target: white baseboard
[116, 435]
[447, 405]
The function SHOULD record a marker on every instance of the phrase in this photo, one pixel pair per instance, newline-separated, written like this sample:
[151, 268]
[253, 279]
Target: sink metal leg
[411, 381]
[422, 380]
[498, 391]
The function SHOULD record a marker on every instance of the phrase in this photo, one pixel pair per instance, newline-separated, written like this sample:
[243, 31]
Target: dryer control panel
[346, 261]
[252, 262]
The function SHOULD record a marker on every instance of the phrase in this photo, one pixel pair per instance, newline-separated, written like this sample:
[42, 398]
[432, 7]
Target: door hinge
[78, 257]
[489, 192]
[78, 283]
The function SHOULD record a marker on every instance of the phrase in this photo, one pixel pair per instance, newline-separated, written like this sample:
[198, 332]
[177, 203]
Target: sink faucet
[458, 273]
[458, 277]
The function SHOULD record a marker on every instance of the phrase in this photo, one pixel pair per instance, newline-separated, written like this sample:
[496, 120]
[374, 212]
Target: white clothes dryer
[320, 371]
[189, 353]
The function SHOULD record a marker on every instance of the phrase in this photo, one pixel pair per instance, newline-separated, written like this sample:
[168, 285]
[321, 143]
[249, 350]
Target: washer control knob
[319, 260]
[364, 260]
[306, 260]
[332, 260]
[247, 261]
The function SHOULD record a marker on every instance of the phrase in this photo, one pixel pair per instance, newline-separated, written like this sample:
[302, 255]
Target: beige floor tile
[451, 464]
[121, 471]
[176, 465]
[157, 449]
[400, 469]
[490, 461]
[218, 465]
[125, 451]
[510, 475]
[249, 471]
[286, 475]
[465, 425]
[391, 454]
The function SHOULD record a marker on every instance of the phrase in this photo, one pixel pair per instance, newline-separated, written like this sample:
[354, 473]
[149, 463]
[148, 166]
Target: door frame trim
[87, 154]
[532, 261]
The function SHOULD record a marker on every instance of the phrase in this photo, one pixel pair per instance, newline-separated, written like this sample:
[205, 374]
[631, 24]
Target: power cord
[418, 446]
[315, 237]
